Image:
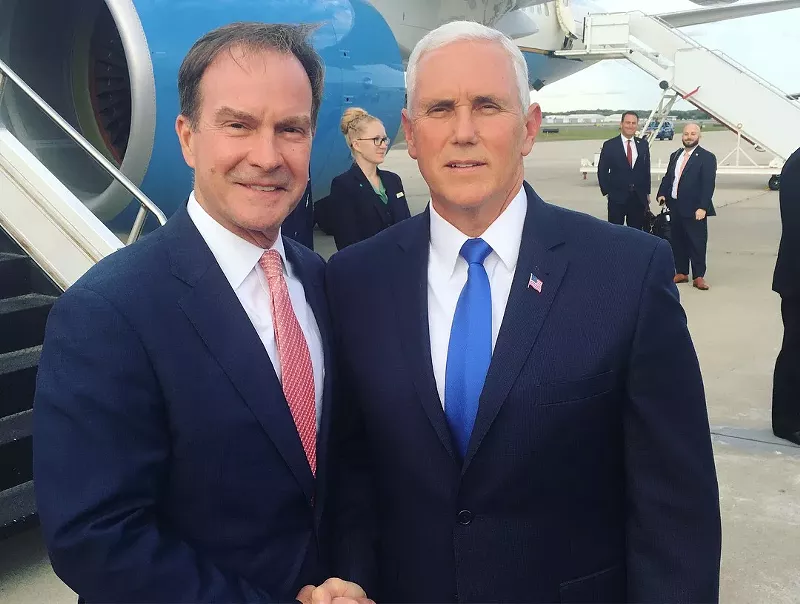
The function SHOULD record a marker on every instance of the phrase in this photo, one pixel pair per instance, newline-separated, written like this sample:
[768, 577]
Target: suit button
[465, 517]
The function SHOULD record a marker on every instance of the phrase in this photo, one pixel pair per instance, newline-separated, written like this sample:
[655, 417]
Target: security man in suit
[687, 188]
[509, 427]
[786, 282]
[182, 410]
[624, 174]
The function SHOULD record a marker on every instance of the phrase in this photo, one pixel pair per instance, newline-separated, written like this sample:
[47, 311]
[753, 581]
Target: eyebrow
[295, 121]
[451, 103]
[236, 114]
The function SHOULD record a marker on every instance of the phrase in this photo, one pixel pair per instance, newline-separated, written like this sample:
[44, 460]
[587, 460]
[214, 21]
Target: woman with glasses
[364, 200]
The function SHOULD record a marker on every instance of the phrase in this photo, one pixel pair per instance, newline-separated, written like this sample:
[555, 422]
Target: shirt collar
[625, 139]
[504, 235]
[235, 256]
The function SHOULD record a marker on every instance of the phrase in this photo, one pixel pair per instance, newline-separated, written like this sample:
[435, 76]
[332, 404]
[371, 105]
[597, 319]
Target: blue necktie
[470, 349]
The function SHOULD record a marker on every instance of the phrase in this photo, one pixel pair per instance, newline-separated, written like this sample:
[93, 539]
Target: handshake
[333, 591]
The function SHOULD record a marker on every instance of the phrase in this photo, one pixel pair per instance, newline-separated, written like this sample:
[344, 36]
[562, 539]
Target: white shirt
[634, 150]
[678, 164]
[238, 260]
[447, 275]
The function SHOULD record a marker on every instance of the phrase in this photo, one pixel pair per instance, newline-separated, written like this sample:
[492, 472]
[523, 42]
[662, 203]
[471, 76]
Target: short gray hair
[253, 36]
[457, 31]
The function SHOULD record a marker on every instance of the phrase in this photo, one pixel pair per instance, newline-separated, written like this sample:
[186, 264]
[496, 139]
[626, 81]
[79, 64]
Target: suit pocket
[607, 585]
[554, 393]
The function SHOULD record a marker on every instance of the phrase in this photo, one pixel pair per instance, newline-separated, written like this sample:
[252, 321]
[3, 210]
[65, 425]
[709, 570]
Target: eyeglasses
[377, 140]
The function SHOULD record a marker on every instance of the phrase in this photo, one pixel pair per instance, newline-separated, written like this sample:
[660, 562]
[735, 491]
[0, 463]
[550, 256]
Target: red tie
[630, 154]
[296, 369]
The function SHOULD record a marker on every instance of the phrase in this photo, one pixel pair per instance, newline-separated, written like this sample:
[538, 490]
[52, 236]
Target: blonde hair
[353, 122]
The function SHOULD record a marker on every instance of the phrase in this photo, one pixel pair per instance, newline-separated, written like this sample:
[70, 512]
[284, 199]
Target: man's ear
[185, 132]
[533, 121]
[408, 130]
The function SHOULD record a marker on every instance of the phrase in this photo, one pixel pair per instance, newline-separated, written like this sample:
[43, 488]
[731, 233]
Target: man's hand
[661, 200]
[333, 591]
[700, 214]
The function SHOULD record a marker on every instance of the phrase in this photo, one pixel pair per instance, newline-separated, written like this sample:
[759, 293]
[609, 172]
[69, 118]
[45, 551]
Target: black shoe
[787, 435]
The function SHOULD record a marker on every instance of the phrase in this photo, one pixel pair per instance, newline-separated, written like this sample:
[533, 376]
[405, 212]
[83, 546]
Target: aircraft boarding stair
[713, 82]
[48, 239]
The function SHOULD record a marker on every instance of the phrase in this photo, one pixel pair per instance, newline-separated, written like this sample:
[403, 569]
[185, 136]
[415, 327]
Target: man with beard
[687, 189]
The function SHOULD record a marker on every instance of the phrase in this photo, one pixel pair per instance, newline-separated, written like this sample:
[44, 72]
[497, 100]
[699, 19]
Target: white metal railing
[145, 204]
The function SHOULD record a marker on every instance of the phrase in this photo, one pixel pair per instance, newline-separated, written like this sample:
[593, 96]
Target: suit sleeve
[648, 173]
[352, 495]
[101, 464]
[406, 212]
[673, 518]
[603, 170]
[708, 184]
[665, 189]
[345, 217]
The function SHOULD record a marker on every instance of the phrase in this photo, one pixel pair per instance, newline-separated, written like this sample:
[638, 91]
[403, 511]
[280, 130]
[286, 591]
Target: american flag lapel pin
[535, 283]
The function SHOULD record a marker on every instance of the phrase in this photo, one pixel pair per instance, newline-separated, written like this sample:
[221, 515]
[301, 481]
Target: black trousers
[689, 239]
[786, 383]
[632, 210]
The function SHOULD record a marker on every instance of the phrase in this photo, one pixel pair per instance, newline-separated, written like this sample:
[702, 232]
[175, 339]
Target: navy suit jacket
[615, 175]
[589, 476]
[299, 225]
[167, 464]
[786, 280]
[357, 212]
[696, 188]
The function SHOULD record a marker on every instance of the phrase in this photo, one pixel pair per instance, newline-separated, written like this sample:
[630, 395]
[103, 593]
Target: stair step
[15, 275]
[18, 381]
[17, 508]
[22, 321]
[15, 427]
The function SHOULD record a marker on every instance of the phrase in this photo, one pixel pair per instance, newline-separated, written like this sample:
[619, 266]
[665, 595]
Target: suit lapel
[542, 254]
[411, 295]
[369, 195]
[216, 313]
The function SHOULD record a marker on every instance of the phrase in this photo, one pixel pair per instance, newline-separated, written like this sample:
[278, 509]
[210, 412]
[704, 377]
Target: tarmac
[737, 331]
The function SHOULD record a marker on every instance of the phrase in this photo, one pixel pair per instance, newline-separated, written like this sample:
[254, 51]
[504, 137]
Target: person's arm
[665, 189]
[648, 173]
[603, 170]
[708, 183]
[673, 531]
[101, 466]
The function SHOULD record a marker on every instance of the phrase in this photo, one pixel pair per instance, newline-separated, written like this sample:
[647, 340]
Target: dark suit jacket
[167, 464]
[615, 175]
[696, 188]
[786, 280]
[299, 225]
[589, 476]
[358, 212]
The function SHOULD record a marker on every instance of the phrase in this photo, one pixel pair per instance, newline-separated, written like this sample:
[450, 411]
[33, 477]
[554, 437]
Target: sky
[769, 45]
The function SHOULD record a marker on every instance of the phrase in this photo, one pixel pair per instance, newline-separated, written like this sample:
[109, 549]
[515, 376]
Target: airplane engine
[110, 68]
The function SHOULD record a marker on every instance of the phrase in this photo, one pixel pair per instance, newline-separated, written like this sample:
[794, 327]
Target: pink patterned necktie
[296, 368]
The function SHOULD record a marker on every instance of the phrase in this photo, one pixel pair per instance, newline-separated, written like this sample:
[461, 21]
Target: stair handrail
[145, 204]
[722, 55]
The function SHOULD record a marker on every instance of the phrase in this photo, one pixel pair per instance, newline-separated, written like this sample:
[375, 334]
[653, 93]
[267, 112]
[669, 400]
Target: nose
[465, 131]
[264, 152]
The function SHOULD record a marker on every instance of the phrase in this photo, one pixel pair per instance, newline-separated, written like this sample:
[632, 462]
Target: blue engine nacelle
[110, 68]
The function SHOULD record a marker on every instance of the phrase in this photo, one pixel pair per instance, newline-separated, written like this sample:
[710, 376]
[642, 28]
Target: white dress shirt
[238, 260]
[447, 275]
[678, 165]
[634, 150]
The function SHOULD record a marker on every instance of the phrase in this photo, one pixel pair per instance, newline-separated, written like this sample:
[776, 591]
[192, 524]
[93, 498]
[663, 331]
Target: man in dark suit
[624, 174]
[688, 188]
[786, 282]
[182, 415]
[509, 427]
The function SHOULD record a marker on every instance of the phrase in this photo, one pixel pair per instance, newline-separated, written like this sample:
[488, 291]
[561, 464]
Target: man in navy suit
[510, 428]
[299, 224]
[182, 414]
[688, 188]
[624, 174]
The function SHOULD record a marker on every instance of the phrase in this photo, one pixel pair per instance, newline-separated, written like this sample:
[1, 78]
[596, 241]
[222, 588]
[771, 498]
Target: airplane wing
[724, 13]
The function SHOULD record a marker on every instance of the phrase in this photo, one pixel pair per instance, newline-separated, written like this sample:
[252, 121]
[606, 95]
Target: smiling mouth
[262, 189]
[465, 165]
